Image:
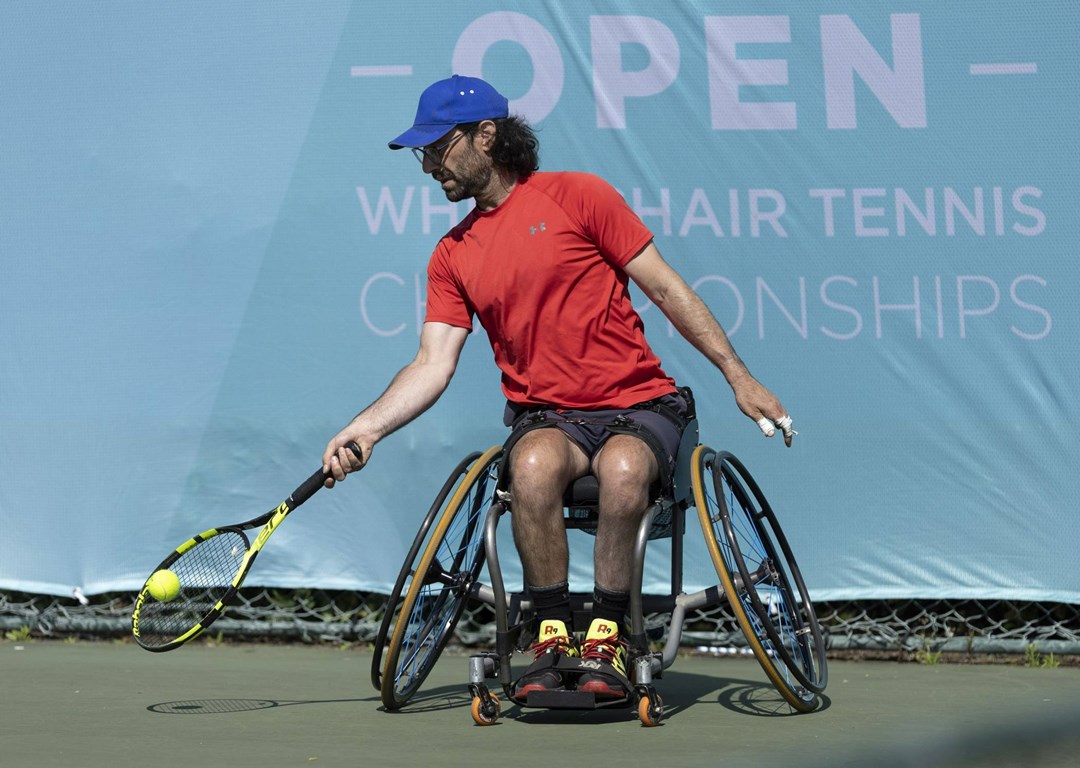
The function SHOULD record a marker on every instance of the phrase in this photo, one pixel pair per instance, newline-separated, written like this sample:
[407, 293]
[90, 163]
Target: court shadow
[680, 692]
[229, 706]
[761, 700]
[430, 700]
[436, 700]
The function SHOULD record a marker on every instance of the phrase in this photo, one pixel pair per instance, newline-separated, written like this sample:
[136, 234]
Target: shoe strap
[557, 644]
[601, 648]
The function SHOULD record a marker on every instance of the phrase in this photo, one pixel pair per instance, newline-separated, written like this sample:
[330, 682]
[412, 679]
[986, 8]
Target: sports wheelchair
[758, 578]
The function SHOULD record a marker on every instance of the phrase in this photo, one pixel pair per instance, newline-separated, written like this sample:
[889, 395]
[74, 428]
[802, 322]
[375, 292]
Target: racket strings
[205, 572]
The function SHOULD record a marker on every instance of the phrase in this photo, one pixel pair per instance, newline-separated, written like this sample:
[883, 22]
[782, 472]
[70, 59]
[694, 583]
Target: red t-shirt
[544, 274]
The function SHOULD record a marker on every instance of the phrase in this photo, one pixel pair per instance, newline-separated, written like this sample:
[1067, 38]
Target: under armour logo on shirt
[534, 229]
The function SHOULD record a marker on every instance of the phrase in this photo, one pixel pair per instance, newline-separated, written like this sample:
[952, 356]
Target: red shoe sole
[602, 690]
[525, 691]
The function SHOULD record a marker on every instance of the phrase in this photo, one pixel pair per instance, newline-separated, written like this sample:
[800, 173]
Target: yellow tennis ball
[163, 585]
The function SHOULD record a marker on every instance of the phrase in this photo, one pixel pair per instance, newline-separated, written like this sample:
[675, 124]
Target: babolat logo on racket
[279, 514]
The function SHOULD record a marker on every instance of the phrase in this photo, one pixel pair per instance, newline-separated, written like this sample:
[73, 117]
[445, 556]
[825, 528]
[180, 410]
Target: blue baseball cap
[451, 102]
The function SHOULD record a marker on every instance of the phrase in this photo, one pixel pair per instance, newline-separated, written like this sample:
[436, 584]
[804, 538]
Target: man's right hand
[339, 459]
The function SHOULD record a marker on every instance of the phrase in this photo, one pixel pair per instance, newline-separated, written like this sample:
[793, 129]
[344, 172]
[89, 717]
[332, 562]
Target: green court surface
[93, 704]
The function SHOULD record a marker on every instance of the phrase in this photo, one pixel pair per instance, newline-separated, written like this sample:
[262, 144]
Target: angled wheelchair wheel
[760, 577]
[437, 583]
[393, 603]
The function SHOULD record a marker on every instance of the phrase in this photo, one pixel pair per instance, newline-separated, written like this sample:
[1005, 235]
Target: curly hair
[516, 147]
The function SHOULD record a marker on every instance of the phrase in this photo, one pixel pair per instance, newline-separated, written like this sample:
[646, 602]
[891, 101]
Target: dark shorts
[659, 423]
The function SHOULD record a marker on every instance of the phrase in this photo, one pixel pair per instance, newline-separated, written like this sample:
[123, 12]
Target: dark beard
[472, 177]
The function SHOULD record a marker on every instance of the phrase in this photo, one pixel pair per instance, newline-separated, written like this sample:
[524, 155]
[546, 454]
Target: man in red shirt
[544, 261]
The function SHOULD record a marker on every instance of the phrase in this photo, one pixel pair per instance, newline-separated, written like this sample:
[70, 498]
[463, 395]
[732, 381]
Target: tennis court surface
[113, 704]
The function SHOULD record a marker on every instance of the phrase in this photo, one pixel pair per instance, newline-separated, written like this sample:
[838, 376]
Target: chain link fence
[904, 628]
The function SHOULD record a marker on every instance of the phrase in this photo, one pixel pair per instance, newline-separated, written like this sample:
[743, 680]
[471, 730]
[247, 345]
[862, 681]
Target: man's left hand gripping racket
[210, 568]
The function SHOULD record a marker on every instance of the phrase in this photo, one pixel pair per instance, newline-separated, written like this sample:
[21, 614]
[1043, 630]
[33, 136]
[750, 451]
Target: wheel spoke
[767, 593]
[451, 561]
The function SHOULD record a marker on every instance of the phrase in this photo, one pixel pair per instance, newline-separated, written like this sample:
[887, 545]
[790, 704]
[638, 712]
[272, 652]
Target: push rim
[451, 563]
[710, 486]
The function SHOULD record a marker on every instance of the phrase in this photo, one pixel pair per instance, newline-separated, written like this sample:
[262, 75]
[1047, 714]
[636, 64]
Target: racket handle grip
[308, 488]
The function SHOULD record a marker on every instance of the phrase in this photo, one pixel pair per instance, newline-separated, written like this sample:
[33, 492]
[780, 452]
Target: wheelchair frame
[759, 579]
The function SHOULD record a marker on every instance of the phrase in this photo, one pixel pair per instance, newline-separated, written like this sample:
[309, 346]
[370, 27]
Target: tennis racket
[210, 568]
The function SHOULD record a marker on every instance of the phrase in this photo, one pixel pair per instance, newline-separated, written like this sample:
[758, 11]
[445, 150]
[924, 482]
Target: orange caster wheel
[650, 709]
[486, 708]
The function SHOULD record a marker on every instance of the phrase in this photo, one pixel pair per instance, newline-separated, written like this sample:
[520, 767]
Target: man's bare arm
[412, 391]
[692, 318]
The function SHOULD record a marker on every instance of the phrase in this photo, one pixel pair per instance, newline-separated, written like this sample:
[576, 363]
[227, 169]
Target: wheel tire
[782, 630]
[438, 591]
[393, 602]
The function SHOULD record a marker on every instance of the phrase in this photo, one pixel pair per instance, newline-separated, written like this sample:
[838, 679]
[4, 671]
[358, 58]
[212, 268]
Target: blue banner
[211, 262]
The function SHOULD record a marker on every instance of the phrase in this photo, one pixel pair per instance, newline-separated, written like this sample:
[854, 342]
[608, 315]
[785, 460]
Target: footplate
[562, 700]
[571, 668]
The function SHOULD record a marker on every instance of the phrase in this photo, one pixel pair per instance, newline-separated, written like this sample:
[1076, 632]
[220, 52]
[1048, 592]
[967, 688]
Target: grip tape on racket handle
[308, 488]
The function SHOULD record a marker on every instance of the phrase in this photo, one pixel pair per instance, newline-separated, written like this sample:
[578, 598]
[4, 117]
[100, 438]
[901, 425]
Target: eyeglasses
[435, 152]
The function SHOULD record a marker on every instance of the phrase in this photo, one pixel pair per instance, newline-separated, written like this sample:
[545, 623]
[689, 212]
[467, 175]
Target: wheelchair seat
[582, 493]
[582, 497]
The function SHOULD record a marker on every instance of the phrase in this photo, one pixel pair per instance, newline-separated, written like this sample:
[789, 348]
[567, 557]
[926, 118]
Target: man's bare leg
[542, 464]
[625, 468]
